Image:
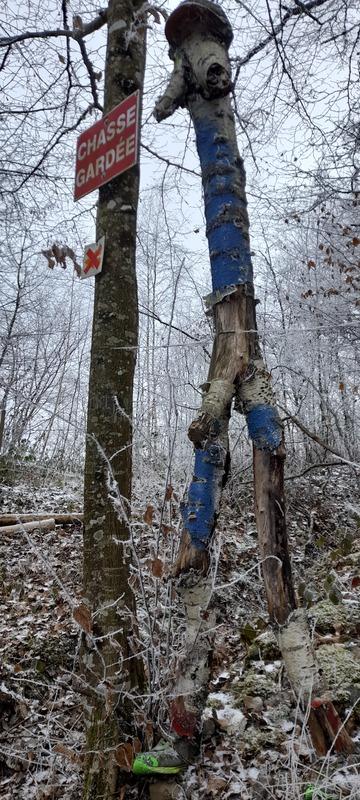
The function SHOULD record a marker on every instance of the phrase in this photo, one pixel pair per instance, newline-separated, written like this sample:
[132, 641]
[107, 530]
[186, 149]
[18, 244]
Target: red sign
[107, 148]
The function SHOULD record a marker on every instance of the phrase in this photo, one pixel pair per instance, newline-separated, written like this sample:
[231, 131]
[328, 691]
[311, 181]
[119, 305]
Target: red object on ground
[183, 721]
[317, 702]
[108, 148]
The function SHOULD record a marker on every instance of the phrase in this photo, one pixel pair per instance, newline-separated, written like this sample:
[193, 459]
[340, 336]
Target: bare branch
[8, 51]
[342, 33]
[91, 73]
[298, 10]
[156, 318]
[320, 465]
[94, 25]
[306, 11]
[168, 162]
[63, 133]
[317, 439]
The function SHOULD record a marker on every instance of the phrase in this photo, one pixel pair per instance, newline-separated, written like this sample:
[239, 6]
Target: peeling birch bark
[299, 657]
[310, 687]
[199, 35]
[193, 670]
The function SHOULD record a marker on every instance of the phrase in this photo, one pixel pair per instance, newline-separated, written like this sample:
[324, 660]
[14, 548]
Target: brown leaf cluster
[156, 567]
[125, 754]
[57, 255]
[149, 515]
[82, 615]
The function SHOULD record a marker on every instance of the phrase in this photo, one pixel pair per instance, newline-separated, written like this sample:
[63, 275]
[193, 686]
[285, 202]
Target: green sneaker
[162, 762]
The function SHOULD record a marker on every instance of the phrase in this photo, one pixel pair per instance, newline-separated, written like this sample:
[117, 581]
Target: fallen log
[42, 524]
[60, 519]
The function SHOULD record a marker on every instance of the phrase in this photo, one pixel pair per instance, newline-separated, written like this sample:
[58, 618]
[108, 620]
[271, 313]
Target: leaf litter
[255, 743]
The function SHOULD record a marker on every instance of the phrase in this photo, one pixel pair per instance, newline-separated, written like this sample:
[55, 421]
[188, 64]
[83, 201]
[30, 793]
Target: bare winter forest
[117, 638]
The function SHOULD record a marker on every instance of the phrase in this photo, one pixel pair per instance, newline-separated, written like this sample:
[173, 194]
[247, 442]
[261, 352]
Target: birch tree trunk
[109, 667]
[200, 34]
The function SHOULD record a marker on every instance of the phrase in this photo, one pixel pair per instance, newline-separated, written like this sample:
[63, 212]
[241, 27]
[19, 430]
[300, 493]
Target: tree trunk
[202, 81]
[107, 658]
[2, 420]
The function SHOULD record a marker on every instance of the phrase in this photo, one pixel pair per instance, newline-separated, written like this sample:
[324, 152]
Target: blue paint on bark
[219, 198]
[225, 208]
[227, 232]
[199, 511]
[264, 427]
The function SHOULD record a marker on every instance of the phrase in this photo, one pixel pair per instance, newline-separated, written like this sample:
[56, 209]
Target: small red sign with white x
[93, 258]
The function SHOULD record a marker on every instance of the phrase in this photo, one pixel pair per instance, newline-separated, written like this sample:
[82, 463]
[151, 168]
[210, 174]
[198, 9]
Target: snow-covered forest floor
[256, 744]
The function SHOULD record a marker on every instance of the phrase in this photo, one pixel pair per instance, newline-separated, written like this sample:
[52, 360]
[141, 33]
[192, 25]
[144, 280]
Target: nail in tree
[199, 35]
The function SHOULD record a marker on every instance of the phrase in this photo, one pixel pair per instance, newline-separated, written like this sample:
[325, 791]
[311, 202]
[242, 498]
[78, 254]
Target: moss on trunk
[114, 344]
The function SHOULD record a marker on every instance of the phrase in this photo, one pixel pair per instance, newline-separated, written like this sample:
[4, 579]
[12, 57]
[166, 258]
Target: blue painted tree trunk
[227, 230]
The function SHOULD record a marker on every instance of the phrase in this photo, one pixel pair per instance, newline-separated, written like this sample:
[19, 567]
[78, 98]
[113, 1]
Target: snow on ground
[256, 746]
[41, 721]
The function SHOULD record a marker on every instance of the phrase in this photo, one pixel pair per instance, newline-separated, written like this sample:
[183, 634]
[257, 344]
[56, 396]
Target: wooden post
[199, 34]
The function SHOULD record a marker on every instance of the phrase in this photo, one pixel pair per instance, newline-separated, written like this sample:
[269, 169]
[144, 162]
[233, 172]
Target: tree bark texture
[199, 35]
[2, 421]
[105, 655]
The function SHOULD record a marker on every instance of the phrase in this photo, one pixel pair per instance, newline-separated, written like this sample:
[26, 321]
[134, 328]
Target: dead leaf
[169, 491]
[149, 733]
[82, 615]
[75, 758]
[215, 784]
[355, 581]
[149, 515]
[48, 256]
[341, 386]
[311, 264]
[156, 566]
[58, 253]
[166, 529]
[134, 582]
[136, 746]
[124, 756]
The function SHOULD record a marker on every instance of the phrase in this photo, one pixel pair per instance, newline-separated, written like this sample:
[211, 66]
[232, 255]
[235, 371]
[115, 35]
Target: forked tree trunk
[199, 34]
[108, 665]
